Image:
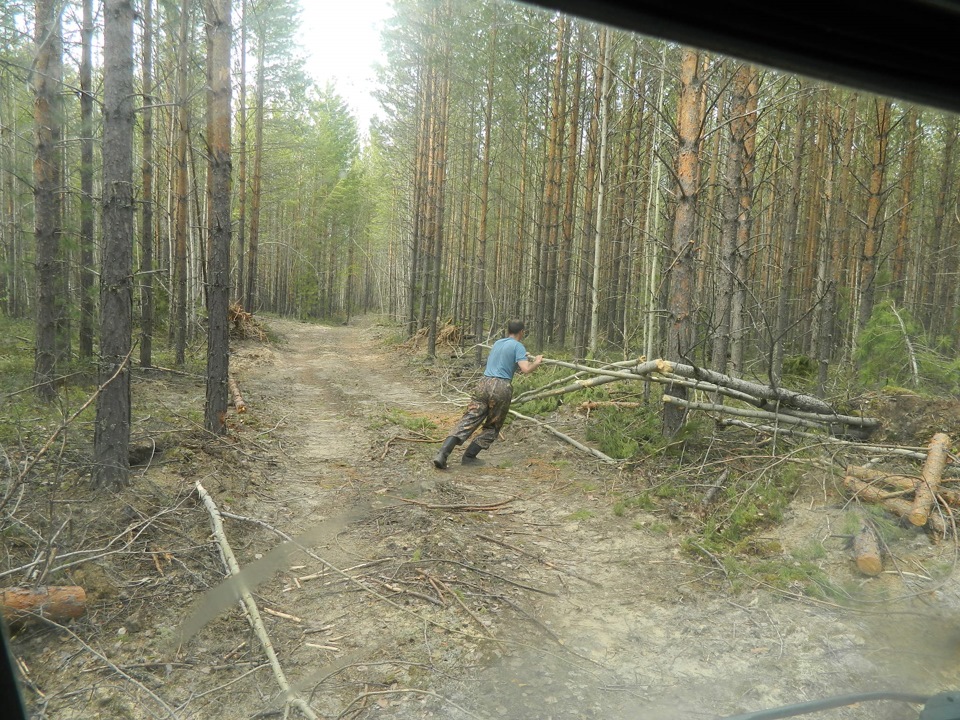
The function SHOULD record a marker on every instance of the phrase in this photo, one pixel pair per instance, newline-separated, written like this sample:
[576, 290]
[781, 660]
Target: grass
[411, 422]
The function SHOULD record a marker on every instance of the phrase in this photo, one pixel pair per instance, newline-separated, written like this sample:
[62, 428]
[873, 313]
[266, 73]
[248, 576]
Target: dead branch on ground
[567, 438]
[253, 612]
[237, 398]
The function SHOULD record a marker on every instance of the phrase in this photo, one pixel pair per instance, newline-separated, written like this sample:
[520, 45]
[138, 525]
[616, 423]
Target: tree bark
[88, 307]
[112, 431]
[682, 302]
[866, 551]
[874, 222]
[181, 208]
[253, 252]
[146, 226]
[47, 199]
[219, 214]
[930, 474]
[242, 153]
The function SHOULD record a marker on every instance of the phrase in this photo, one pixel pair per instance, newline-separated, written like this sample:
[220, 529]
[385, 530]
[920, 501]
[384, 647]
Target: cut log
[238, 401]
[891, 501]
[925, 496]
[866, 551]
[54, 602]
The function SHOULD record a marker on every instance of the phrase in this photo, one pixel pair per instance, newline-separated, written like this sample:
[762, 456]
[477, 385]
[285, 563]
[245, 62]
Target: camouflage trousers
[488, 407]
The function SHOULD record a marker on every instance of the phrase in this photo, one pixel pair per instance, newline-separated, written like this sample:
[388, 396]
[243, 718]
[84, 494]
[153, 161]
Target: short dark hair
[514, 327]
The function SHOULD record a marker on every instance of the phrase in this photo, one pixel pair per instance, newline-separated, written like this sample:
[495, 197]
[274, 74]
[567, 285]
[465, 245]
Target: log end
[870, 565]
[918, 518]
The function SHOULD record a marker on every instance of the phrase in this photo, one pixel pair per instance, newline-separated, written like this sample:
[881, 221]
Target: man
[491, 398]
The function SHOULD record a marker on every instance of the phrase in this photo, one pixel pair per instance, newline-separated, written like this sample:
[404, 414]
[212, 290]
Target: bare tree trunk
[88, 307]
[582, 315]
[112, 432]
[681, 305]
[219, 215]
[729, 258]
[51, 343]
[242, 152]
[250, 297]
[182, 197]
[744, 224]
[911, 142]
[481, 263]
[146, 225]
[842, 212]
[791, 231]
[604, 123]
[565, 267]
[874, 230]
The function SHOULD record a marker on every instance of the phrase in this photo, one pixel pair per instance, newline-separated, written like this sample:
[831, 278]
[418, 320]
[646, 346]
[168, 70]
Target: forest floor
[528, 586]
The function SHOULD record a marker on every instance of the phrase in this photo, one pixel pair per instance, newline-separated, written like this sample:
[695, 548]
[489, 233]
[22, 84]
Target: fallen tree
[777, 405]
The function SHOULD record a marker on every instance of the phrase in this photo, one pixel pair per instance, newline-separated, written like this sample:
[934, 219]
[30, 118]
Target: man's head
[515, 327]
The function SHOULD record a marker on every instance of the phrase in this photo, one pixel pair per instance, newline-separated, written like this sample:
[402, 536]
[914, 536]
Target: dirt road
[548, 603]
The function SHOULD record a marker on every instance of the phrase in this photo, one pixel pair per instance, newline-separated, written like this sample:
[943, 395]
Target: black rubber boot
[470, 455]
[440, 461]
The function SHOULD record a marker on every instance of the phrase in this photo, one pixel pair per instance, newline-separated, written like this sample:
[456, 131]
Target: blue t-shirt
[503, 359]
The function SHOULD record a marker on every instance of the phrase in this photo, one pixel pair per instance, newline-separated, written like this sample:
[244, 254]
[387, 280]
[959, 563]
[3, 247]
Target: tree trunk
[791, 231]
[565, 267]
[911, 142]
[182, 196]
[112, 431]
[146, 225]
[604, 81]
[738, 330]
[733, 178]
[51, 342]
[242, 153]
[88, 307]
[581, 321]
[874, 222]
[481, 261]
[682, 303]
[250, 298]
[219, 216]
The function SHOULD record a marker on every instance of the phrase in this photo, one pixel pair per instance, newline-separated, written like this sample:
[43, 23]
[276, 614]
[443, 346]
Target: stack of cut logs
[921, 499]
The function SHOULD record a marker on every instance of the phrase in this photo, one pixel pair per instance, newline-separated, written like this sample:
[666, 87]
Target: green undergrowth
[411, 421]
[27, 422]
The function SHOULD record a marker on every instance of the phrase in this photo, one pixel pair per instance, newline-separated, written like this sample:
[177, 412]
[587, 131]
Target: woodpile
[243, 325]
[448, 336]
[918, 499]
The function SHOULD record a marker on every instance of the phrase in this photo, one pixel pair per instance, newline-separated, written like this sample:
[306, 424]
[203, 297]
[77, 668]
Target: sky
[342, 43]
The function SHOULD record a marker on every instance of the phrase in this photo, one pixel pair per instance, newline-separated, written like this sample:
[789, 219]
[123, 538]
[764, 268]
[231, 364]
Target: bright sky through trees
[342, 44]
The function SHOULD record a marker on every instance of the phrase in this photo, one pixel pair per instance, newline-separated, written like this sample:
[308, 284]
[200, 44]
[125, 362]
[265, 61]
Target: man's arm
[528, 366]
